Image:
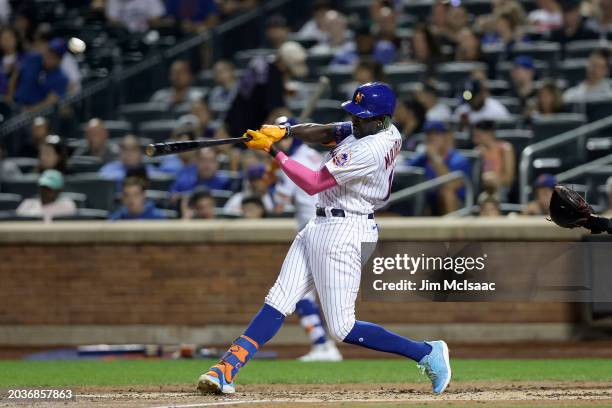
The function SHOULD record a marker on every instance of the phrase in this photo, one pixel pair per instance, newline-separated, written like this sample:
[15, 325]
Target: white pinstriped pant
[325, 256]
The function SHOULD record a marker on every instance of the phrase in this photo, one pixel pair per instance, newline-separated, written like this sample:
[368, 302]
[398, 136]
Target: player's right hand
[259, 141]
[275, 132]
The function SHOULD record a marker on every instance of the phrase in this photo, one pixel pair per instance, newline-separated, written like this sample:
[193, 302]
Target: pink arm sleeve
[310, 181]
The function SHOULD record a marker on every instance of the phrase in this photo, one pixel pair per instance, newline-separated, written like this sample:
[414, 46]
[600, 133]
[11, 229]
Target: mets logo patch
[342, 158]
[358, 97]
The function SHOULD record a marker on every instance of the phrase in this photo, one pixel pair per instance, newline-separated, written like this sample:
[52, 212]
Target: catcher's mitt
[569, 210]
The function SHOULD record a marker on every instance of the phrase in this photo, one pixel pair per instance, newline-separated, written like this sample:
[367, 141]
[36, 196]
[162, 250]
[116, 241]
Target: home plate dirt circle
[493, 393]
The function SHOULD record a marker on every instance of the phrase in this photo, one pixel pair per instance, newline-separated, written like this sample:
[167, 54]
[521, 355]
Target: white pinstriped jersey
[363, 169]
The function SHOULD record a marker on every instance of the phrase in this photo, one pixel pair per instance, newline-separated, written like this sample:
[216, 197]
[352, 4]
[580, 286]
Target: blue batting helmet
[370, 100]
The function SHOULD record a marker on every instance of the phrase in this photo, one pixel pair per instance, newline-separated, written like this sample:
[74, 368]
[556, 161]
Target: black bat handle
[161, 149]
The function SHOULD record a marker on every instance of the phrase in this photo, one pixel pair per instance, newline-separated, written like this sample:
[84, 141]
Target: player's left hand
[275, 132]
[259, 141]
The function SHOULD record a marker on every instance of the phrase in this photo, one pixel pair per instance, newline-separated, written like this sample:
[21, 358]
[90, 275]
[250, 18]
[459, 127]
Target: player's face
[363, 127]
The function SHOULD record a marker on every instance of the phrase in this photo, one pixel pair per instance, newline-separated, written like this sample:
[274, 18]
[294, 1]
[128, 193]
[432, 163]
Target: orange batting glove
[259, 141]
[275, 132]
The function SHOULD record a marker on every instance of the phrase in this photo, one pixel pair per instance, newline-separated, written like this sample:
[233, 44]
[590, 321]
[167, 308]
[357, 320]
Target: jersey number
[390, 185]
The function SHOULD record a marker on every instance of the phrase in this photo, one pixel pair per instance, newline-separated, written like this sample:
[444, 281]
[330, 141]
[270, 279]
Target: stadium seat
[420, 9]
[26, 185]
[573, 70]
[9, 201]
[84, 164]
[158, 130]
[457, 73]
[397, 74]
[596, 110]
[234, 176]
[598, 147]
[548, 126]
[316, 62]
[243, 58]
[221, 197]
[161, 181]
[511, 103]
[518, 138]
[404, 177]
[25, 164]
[85, 214]
[498, 87]
[328, 111]
[99, 191]
[542, 51]
[142, 112]
[503, 69]
[116, 128]
[170, 214]
[478, 7]
[338, 75]
[583, 48]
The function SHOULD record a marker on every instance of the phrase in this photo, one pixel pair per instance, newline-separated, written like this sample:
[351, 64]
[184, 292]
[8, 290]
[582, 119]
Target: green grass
[145, 372]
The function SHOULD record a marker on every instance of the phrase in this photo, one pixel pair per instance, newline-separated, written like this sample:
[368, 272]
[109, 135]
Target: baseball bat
[314, 98]
[162, 149]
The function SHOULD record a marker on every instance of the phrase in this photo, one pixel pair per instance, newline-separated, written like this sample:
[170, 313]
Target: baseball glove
[569, 210]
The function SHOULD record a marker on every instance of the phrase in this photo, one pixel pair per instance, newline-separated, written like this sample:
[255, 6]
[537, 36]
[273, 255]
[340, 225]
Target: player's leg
[337, 275]
[293, 282]
[322, 347]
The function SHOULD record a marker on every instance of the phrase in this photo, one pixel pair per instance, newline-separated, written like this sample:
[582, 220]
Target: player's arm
[313, 133]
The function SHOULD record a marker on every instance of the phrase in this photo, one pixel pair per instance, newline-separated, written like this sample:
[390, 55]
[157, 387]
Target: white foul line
[219, 403]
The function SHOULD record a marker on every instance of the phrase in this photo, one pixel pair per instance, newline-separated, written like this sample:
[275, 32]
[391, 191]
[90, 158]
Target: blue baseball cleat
[437, 366]
[214, 381]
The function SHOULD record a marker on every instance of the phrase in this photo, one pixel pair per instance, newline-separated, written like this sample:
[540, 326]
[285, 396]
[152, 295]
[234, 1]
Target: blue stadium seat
[9, 201]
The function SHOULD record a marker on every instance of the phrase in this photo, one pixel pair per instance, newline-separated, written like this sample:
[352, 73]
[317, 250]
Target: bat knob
[150, 150]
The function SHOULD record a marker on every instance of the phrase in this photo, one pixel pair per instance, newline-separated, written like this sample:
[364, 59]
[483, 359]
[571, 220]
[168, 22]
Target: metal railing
[555, 141]
[24, 119]
[583, 168]
[409, 192]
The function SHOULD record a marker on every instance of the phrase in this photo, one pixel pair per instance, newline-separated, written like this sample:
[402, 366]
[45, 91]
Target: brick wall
[190, 284]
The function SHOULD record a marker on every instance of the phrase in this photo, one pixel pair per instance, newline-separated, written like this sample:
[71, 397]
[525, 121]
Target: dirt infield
[498, 394]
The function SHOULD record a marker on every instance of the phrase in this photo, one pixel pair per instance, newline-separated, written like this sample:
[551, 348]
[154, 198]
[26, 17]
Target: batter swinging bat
[162, 149]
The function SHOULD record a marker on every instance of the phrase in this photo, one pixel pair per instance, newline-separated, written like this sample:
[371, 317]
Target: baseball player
[326, 255]
[322, 347]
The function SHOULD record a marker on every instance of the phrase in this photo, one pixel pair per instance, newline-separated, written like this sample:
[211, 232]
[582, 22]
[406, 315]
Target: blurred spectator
[523, 79]
[365, 71]
[193, 15]
[49, 203]
[574, 25]
[203, 173]
[8, 169]
[52, 154]
[257, 185]
[478, 105]
[507, 32]
[489, 205]
[38, 132]
[69, 65]
[425, 47]
[338, 34]
[546, 17]
[130, 157]
[12, 52]
[409, 117]
[608, 212]
[498, 159]
[252, 208]
[365, 46]
[98, 144]
[135, 15]
[427, 95]
[200, 206]
[276, 32]
[41, 82]
[24, 21]
[202, 118]
[596, 85]
[313, 28]
[548, 100]
[135, 204]
[174, 163]
[226, 85]
[458, 19]
[468, 46]
[385, 20]
[180, 91]
[441, 158]
[602, 21]
[262, 87]
[542, 191]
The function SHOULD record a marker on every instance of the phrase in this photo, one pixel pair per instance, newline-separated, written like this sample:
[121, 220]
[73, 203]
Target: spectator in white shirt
[596, 85]
[135, 15]
[180, 91]
[313, 28]
[478, 105]
[435, 110]
[49, 204]
[336, 26]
